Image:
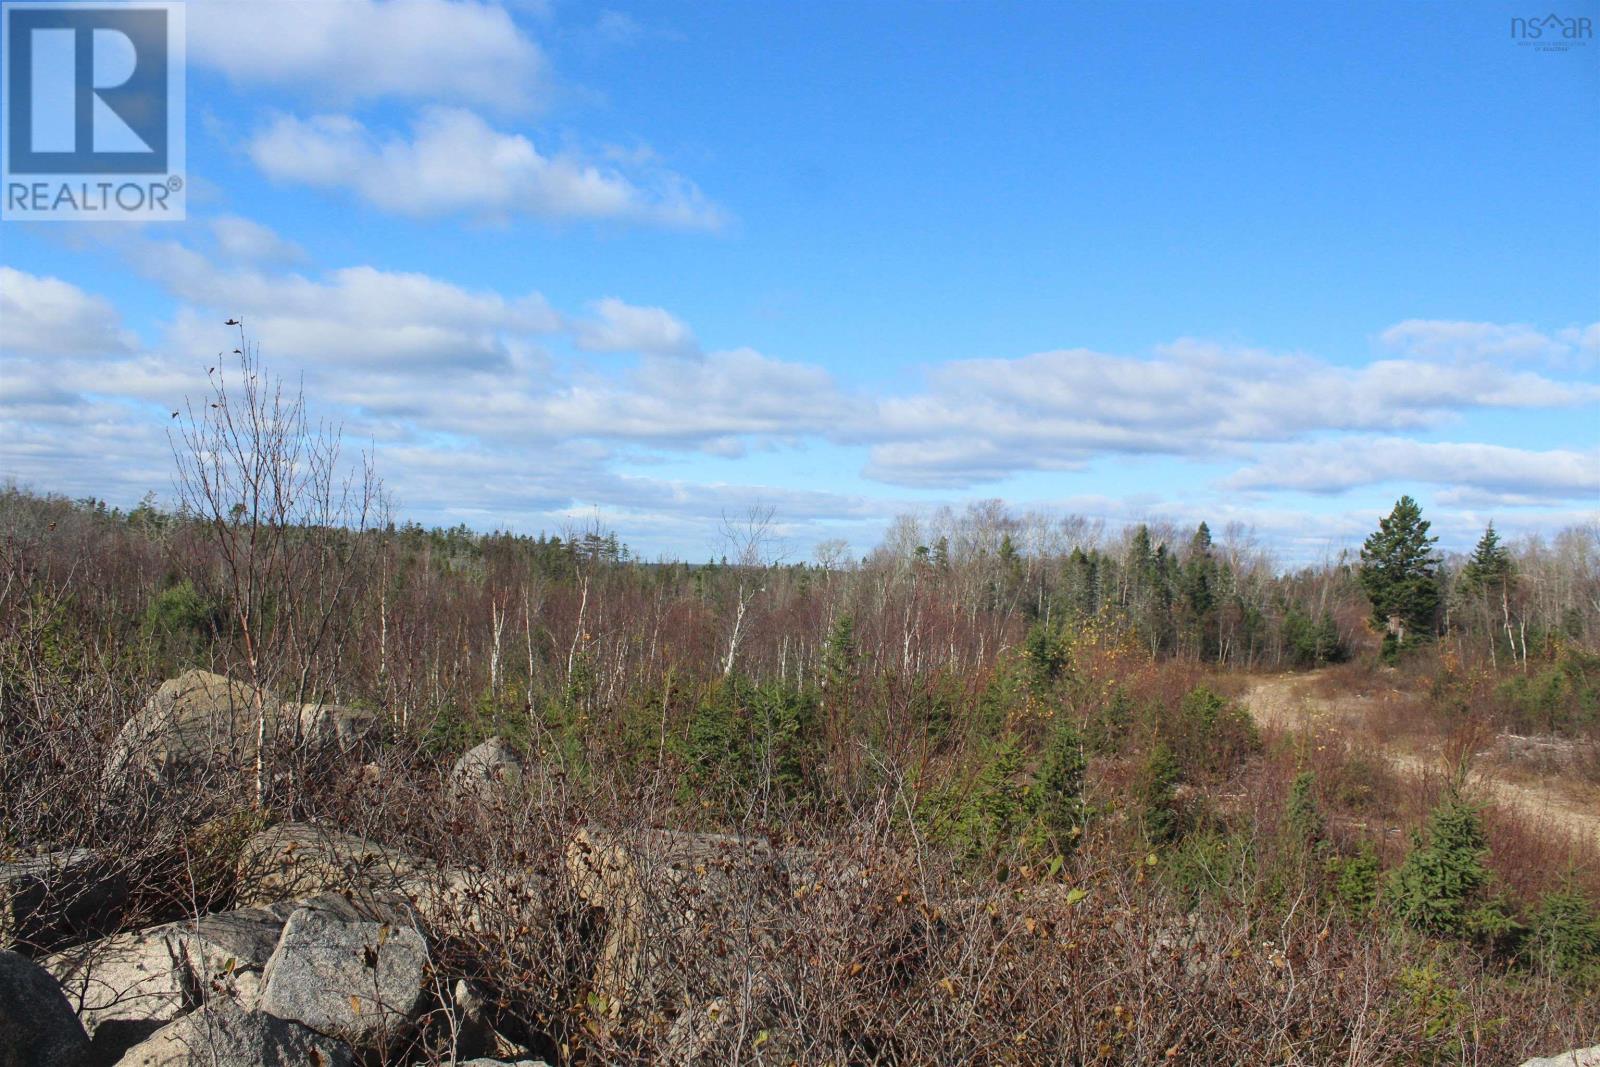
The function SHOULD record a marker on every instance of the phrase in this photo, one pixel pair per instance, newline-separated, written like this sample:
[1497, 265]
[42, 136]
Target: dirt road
[1289, 702]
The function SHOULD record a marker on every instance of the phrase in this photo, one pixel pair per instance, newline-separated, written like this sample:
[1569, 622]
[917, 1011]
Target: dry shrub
[1533, 855]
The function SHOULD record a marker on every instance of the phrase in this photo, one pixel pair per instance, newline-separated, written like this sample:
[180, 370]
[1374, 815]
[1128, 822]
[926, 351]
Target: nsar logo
[1552, 33]
[93, 111]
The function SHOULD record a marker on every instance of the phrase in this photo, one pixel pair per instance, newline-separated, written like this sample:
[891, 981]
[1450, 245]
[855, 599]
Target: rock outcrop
[1578, 1057]
[333, 729]
[56, 895]
[686, 916]
[364, 982]
[37, 1027]
[295, 860]
[298, 860]
[225, 1034]
[200, 723]
[486, 768]
[142, 979]
[194, 724]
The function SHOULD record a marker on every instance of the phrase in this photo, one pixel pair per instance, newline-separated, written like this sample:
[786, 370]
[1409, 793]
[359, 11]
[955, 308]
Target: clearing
[1290, 702]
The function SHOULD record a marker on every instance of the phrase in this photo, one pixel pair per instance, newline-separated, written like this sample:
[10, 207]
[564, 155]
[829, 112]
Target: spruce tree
[1400, 575]
[1566, 935]
[1048, 657]
[1058, 787]
[1157, 795]
[1486, 580]
[1304, 820]
[1443, 879]
[1490, 564]
[1198, 586]
[839, 658]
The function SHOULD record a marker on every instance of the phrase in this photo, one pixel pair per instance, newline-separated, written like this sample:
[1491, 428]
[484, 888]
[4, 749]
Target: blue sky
[648, 263]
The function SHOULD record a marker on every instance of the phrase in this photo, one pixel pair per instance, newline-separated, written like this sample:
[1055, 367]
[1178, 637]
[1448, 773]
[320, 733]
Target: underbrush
[1072, 852]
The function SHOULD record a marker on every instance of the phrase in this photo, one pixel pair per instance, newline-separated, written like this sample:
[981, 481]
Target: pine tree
[1400, 575]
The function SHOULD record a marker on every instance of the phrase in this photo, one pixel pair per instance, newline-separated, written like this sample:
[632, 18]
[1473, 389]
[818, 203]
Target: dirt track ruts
[1282, 701]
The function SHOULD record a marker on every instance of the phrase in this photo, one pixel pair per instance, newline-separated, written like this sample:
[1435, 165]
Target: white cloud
[618, 28]
[348, 51]
[47, 316]
[728, 394]
[456, 163]
[241, 240]
[621, 327]
[980, 420]
[355, 317]
[1507, 474]
[456, 385]
[1468, 341]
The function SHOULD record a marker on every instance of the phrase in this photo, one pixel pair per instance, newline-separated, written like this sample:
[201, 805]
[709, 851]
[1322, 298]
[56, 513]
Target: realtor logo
[93, 111]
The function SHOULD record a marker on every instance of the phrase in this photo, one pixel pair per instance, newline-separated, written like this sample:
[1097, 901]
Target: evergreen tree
[1486, 581]
[1400, 575]
[1311, 644]
[1083, 580]
[1490, 564]
[1150, 587]
[1356, 879]
[784, 719]
[716, 747]
[1304, 820]
[1048, 657]
[1157, 794]
[1197, 584]
[982, 816]
[1058, 787]
[1443, 879]
[839, 665]
[1566, 935]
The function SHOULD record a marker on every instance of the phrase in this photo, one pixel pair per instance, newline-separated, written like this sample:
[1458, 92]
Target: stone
[685, 915]
[225, 1034]
[54, 896]
[475, 900]
[296, 860]
[495, 764]
[358, 980]
[37, 1026]
[474, 1031]
[475, 1036]
[695, 1031]
[341, 731]
[194, 724]
[153, 976]
[1578, 1057]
